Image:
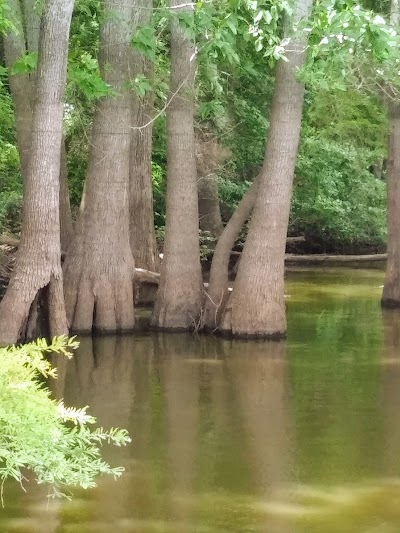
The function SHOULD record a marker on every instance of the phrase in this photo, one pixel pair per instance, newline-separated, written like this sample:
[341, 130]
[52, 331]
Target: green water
[295, 437]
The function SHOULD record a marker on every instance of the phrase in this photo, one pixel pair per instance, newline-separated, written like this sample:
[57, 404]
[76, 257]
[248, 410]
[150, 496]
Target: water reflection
[258, 373]
[294, 437]
[391, 392]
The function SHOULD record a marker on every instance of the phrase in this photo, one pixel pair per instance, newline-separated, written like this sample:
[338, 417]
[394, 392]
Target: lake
[301, 436]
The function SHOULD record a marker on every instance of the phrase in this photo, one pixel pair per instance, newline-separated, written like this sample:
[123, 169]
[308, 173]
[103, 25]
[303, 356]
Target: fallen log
[321, 259]
[9, 241]
[147, 276]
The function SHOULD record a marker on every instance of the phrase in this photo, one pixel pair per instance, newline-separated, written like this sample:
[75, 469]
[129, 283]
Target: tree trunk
[256, 307]
[142, 232]
[209, 210]
[32, 15]
[31, 9]
[217, 292]
[20, 86]
[209, 156]
[391, 288]
[179, 297]
[38, 264]
[99, 267]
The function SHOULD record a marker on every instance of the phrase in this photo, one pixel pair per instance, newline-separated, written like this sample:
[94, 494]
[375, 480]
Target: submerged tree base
[390, 303]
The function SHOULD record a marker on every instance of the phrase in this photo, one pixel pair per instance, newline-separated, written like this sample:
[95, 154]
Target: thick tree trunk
[142, 232]
[38, 263]
[22, 86]
[256, 307]
[99, 267]
[391, 288]
[179, 297]
[217, 292]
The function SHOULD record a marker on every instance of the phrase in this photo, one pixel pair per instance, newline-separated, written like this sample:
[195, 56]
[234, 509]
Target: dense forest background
[339, 194]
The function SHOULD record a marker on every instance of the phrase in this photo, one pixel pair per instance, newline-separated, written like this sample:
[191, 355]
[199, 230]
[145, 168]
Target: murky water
[294, 437]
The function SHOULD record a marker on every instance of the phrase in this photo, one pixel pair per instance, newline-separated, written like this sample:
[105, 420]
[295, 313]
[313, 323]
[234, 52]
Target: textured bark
[179, 297]
[31, 9]
[38, 264]
[142, 232]
[20, 85]
[99, 267]
[256, 307]
[391, 288]
[217, 292]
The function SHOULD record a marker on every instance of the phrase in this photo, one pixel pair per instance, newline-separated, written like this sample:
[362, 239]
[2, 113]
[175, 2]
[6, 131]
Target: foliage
[37, 433]
[159, 191]
[337, 203]
[10, 179]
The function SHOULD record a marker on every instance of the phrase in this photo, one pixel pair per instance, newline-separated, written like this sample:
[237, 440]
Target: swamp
[297, 436]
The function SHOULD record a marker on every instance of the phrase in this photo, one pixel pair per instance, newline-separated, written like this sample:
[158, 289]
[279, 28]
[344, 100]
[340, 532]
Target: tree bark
[142, 231]
[391, 288]
[179, 298]
[256, 307]
[38, 264]
[99, 267]
[218, 285]
[20, 86]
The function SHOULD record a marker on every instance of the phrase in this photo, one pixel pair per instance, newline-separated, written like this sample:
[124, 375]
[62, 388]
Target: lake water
[301, 436]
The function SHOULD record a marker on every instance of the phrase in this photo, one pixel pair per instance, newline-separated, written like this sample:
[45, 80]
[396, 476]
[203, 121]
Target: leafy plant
[53, 442]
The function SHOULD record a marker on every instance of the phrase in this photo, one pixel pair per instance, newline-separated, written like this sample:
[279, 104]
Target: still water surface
[301, 436]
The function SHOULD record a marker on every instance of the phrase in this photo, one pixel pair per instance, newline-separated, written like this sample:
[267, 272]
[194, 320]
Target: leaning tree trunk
[38, 266]
[99, 267]
[391, 288]
[217, 291]
[142, 232]
[179, 297]
[256, 307]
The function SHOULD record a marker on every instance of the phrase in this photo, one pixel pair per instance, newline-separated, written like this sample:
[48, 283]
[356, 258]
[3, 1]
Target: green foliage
[337, 203]
[159, 192]
[25, 64]
[10, 179]
[37, 433]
